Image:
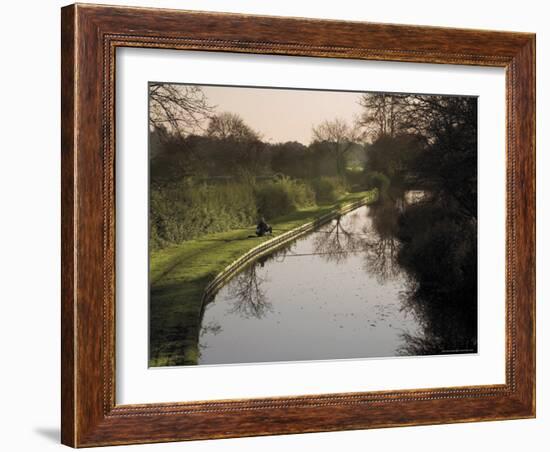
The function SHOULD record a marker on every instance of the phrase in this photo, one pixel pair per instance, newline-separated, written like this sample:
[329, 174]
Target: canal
[334, 293]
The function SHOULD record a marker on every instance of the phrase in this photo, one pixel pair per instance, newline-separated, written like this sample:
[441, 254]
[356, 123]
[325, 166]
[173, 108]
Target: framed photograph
[281, 225]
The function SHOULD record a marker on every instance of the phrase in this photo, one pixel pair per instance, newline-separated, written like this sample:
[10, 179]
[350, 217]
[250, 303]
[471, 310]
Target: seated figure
[263, 228]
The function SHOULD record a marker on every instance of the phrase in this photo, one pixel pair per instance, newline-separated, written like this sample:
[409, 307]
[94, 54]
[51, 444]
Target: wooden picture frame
[90, 36]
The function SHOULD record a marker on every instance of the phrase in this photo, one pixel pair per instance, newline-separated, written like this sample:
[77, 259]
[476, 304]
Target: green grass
[180, 273]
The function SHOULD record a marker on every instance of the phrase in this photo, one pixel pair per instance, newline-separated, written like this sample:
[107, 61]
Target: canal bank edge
[275, 243]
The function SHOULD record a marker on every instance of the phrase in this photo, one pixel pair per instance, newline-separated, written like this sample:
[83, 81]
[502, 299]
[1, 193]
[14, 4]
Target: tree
[230, 126]
[291, 158]
[448, 167]
[393, 156]
[240, 146]
[382, 114]
[178, 109]
[340, 137]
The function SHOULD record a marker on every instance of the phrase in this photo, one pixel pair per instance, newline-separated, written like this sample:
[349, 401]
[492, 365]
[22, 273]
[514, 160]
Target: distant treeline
[227, 176]
[173, 157]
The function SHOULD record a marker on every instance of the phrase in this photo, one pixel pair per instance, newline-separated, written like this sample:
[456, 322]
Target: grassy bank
[180, 273]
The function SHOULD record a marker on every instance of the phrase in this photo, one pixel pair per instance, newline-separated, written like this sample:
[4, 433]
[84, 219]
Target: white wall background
[29, 188]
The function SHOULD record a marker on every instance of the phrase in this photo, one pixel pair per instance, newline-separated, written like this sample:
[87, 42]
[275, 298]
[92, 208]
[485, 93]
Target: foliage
[340, 138]
[392, 156]
[374, 179]
[328, 189]
[230, 126]
[282, 196]
[355, 177]
[186, 210]
[292, 159]
[439, 249]
[429, 143]
[382, 114]
[183, 211]
[449, 165]
[440, 245]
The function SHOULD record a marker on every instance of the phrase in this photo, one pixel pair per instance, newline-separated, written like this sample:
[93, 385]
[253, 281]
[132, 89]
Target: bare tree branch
[340, 137]
[180, 109]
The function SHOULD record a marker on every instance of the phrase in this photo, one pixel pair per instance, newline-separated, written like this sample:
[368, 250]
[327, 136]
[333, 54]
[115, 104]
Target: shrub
[186, 210]
[374, 179]
[328, 189]
[282, 196]
[355, 177]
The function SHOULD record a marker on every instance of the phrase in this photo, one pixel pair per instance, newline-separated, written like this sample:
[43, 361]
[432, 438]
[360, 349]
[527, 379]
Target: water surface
[334, 293]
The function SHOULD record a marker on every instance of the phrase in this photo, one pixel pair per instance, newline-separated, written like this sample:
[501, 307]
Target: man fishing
[263, 228]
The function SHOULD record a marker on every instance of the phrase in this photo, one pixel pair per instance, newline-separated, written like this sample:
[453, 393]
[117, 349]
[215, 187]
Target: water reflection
[248, 297]
[339, 239]
[385, 280]
[382, 246]
[439, 251]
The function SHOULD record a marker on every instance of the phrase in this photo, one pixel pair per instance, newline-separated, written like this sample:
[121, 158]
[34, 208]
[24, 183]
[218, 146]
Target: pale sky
[284, 114]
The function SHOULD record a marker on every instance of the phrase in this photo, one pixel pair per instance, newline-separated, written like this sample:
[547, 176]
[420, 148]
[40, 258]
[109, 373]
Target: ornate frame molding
[90, 37]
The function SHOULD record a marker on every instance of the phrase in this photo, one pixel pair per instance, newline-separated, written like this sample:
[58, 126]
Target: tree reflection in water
[439, 251]
[381, 244]
[376, 241]
[335, 242]
[431, 243]
[211, 328]
[434, 244]
[249, 300]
